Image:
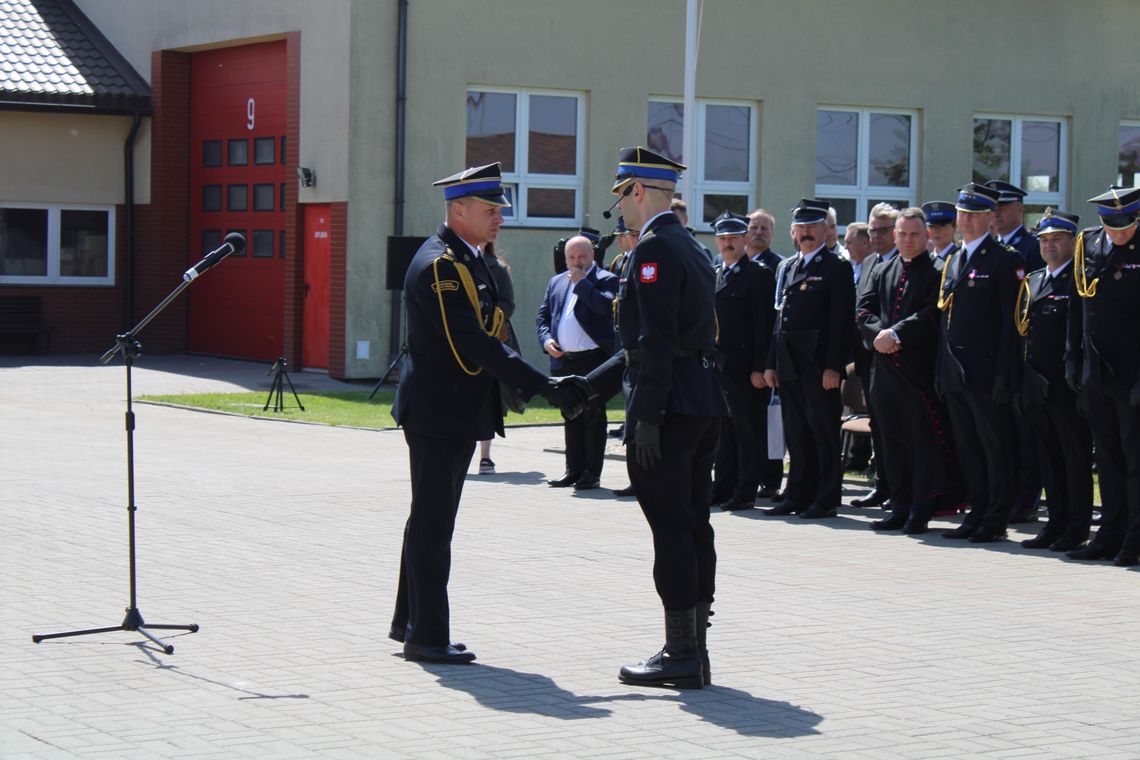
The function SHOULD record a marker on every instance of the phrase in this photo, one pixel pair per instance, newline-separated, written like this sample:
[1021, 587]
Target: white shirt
[808, 256]
[571, 336]
[1051, 273]
[1006, 238]
[969, 247]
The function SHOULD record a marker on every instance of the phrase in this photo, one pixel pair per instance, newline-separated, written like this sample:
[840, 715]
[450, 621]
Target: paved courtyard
[282, 542]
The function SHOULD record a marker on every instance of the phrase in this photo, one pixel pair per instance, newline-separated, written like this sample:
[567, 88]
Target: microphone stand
[130, 348]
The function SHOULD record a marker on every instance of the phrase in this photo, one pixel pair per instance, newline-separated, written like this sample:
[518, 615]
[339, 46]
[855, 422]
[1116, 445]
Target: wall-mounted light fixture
[307, 176]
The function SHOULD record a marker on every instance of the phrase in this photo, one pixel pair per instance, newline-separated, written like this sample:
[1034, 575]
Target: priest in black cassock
[898, 316]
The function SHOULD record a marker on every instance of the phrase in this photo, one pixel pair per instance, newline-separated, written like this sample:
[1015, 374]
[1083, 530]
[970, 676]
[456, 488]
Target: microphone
[234, 244]
[610, 211]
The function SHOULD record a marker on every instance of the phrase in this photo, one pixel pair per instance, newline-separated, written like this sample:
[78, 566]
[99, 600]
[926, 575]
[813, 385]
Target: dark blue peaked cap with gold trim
[642, 163]
[1057, 221]
[590, 234]
[620, 228]
[974, 198]
[483, 183]
[1117, 206]
[940, 212]
[729, 223]
[810, 211]
[1007, 193]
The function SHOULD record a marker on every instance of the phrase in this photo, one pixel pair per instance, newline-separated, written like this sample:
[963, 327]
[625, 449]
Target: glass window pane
[549, 202]
[715, 204]
[244, 234]
[282, 150]
[1129, 155]
[991, 149]
[263, 244]
[899, 204]
[237, 197]
[552, 145]
[666, 122]
[491, 129]
[239, 152]
[509, 211]
[23, 241]
[263, 197]
[889, 150]
[211, 197]
[83, 243]
[211, 241]
[1034, 213]
[836, 147]
[264, 150]
[846, 211]
[1040, 156]
[726, 143]
[281, 206]
[211, 153]
[281, 243]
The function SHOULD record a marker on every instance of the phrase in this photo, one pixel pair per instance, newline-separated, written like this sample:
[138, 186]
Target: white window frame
[519, 181]
[862, 192]
[1055, 199]
[1135, 124]
[53, 277]
[701, 186]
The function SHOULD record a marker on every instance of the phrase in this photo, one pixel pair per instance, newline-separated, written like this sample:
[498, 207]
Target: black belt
[632, 355]
[580, 354]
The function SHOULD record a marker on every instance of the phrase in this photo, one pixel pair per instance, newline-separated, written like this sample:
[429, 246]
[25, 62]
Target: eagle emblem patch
[649, 272]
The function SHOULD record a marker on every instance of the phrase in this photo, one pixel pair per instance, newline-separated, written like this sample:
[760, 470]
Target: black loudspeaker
[401, 249]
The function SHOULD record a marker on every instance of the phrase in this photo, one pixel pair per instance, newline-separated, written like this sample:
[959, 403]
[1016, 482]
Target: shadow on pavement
[746, 714]
[529, 478]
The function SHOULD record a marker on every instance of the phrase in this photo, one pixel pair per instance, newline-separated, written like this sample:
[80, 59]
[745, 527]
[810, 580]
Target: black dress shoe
[819, 512]
[987, 536]
[1127, 559]
[1093, 551]
[1023, 516]
[766, 492]
[894, 522]
[963, 531]
[567, 479]
[915, 526]
[627, 491]
[444, 654]
[587, 482]
[783, 509]
[1040, 541]
[1066, 544]
[778, 497]
[397, 634]
[872, 499]
[736, 505]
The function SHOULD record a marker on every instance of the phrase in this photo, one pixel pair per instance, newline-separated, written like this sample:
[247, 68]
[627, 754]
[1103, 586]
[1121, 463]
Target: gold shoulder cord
[946, 302]
[1021, 310]
[472, 296]
[1085, 289]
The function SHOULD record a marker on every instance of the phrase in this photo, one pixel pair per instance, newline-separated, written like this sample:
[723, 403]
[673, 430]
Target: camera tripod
[280, 377]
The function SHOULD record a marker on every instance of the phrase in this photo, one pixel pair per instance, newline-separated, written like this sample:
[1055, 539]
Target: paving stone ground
[282, 542]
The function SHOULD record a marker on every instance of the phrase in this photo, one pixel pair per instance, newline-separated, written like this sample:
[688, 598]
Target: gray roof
[52, 57]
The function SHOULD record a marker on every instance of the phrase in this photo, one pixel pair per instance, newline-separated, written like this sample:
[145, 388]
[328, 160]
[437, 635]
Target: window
[1029, 152]
[538, 138]
[723, 169]
[57, 245]
[864, 157]
[263, 150]
[238, 152]
[1129, 171]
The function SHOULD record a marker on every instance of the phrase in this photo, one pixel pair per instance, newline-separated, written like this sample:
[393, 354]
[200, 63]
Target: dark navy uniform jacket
[449, 386]
[978, 345]
[1104, 329]
[1027, 244]
[818, 310]
[1044, 344]
[744, 311]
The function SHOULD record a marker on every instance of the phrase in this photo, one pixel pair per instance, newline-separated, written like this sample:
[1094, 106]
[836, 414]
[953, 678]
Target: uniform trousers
[674, 496]
[983, 438]
[1027, 495]
[738, 459]
[811, 429]
[1064, 446]
[438, 469]
[586, 433]
[1116, 430]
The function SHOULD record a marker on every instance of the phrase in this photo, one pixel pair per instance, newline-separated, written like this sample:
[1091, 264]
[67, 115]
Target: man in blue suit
[576, 328]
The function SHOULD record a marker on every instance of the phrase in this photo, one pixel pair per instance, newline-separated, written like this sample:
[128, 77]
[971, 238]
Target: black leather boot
[704, 609]
[678, 664]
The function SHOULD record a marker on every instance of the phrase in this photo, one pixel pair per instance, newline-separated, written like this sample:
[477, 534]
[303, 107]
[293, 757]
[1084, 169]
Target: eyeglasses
[879, 230]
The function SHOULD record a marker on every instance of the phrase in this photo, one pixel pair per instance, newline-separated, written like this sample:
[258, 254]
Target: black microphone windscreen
[237, 241]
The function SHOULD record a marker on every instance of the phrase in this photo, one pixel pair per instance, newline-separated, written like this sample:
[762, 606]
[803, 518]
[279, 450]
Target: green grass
[346, 408]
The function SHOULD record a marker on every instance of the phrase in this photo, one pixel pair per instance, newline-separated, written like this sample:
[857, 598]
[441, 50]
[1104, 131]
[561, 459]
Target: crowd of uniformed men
[991, 359]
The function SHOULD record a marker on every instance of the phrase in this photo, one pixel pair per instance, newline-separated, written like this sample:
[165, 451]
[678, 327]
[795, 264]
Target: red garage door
[237, 184]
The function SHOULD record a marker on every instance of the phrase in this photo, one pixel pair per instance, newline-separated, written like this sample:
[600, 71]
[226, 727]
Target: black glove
[571, 394]
[647, 445]
[1134, 396]
[1073, 377]
[1000, 393]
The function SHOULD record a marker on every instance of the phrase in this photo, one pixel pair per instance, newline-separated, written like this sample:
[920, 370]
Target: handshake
[571, 394]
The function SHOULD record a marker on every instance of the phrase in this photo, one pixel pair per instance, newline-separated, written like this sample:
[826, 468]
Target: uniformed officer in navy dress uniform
[941, 224]
[1105, 362]
[979, 365]
[745, 312]
[1064, 443]
[449, 398]
[808, 354]
[666, 322]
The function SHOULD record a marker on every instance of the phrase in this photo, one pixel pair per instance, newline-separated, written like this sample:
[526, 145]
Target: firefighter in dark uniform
[978, 363]
[807, 356]
[449, 398]
[1105, 361]
[626, 239]
[1064, 443]
[666, 323]
[744, 310]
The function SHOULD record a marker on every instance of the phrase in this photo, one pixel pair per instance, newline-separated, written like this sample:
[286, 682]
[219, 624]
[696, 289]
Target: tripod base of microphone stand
[132, 622]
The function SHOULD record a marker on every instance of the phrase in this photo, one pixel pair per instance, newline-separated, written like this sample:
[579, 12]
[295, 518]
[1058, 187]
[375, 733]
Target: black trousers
[738, 460]
[674, 497]
[1116, 431]
[438, 468]
[1027, 495]
[1064, 446]
[811, 429]
[586, 433]
[983, 438]
[878, 448]
[770, 471]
